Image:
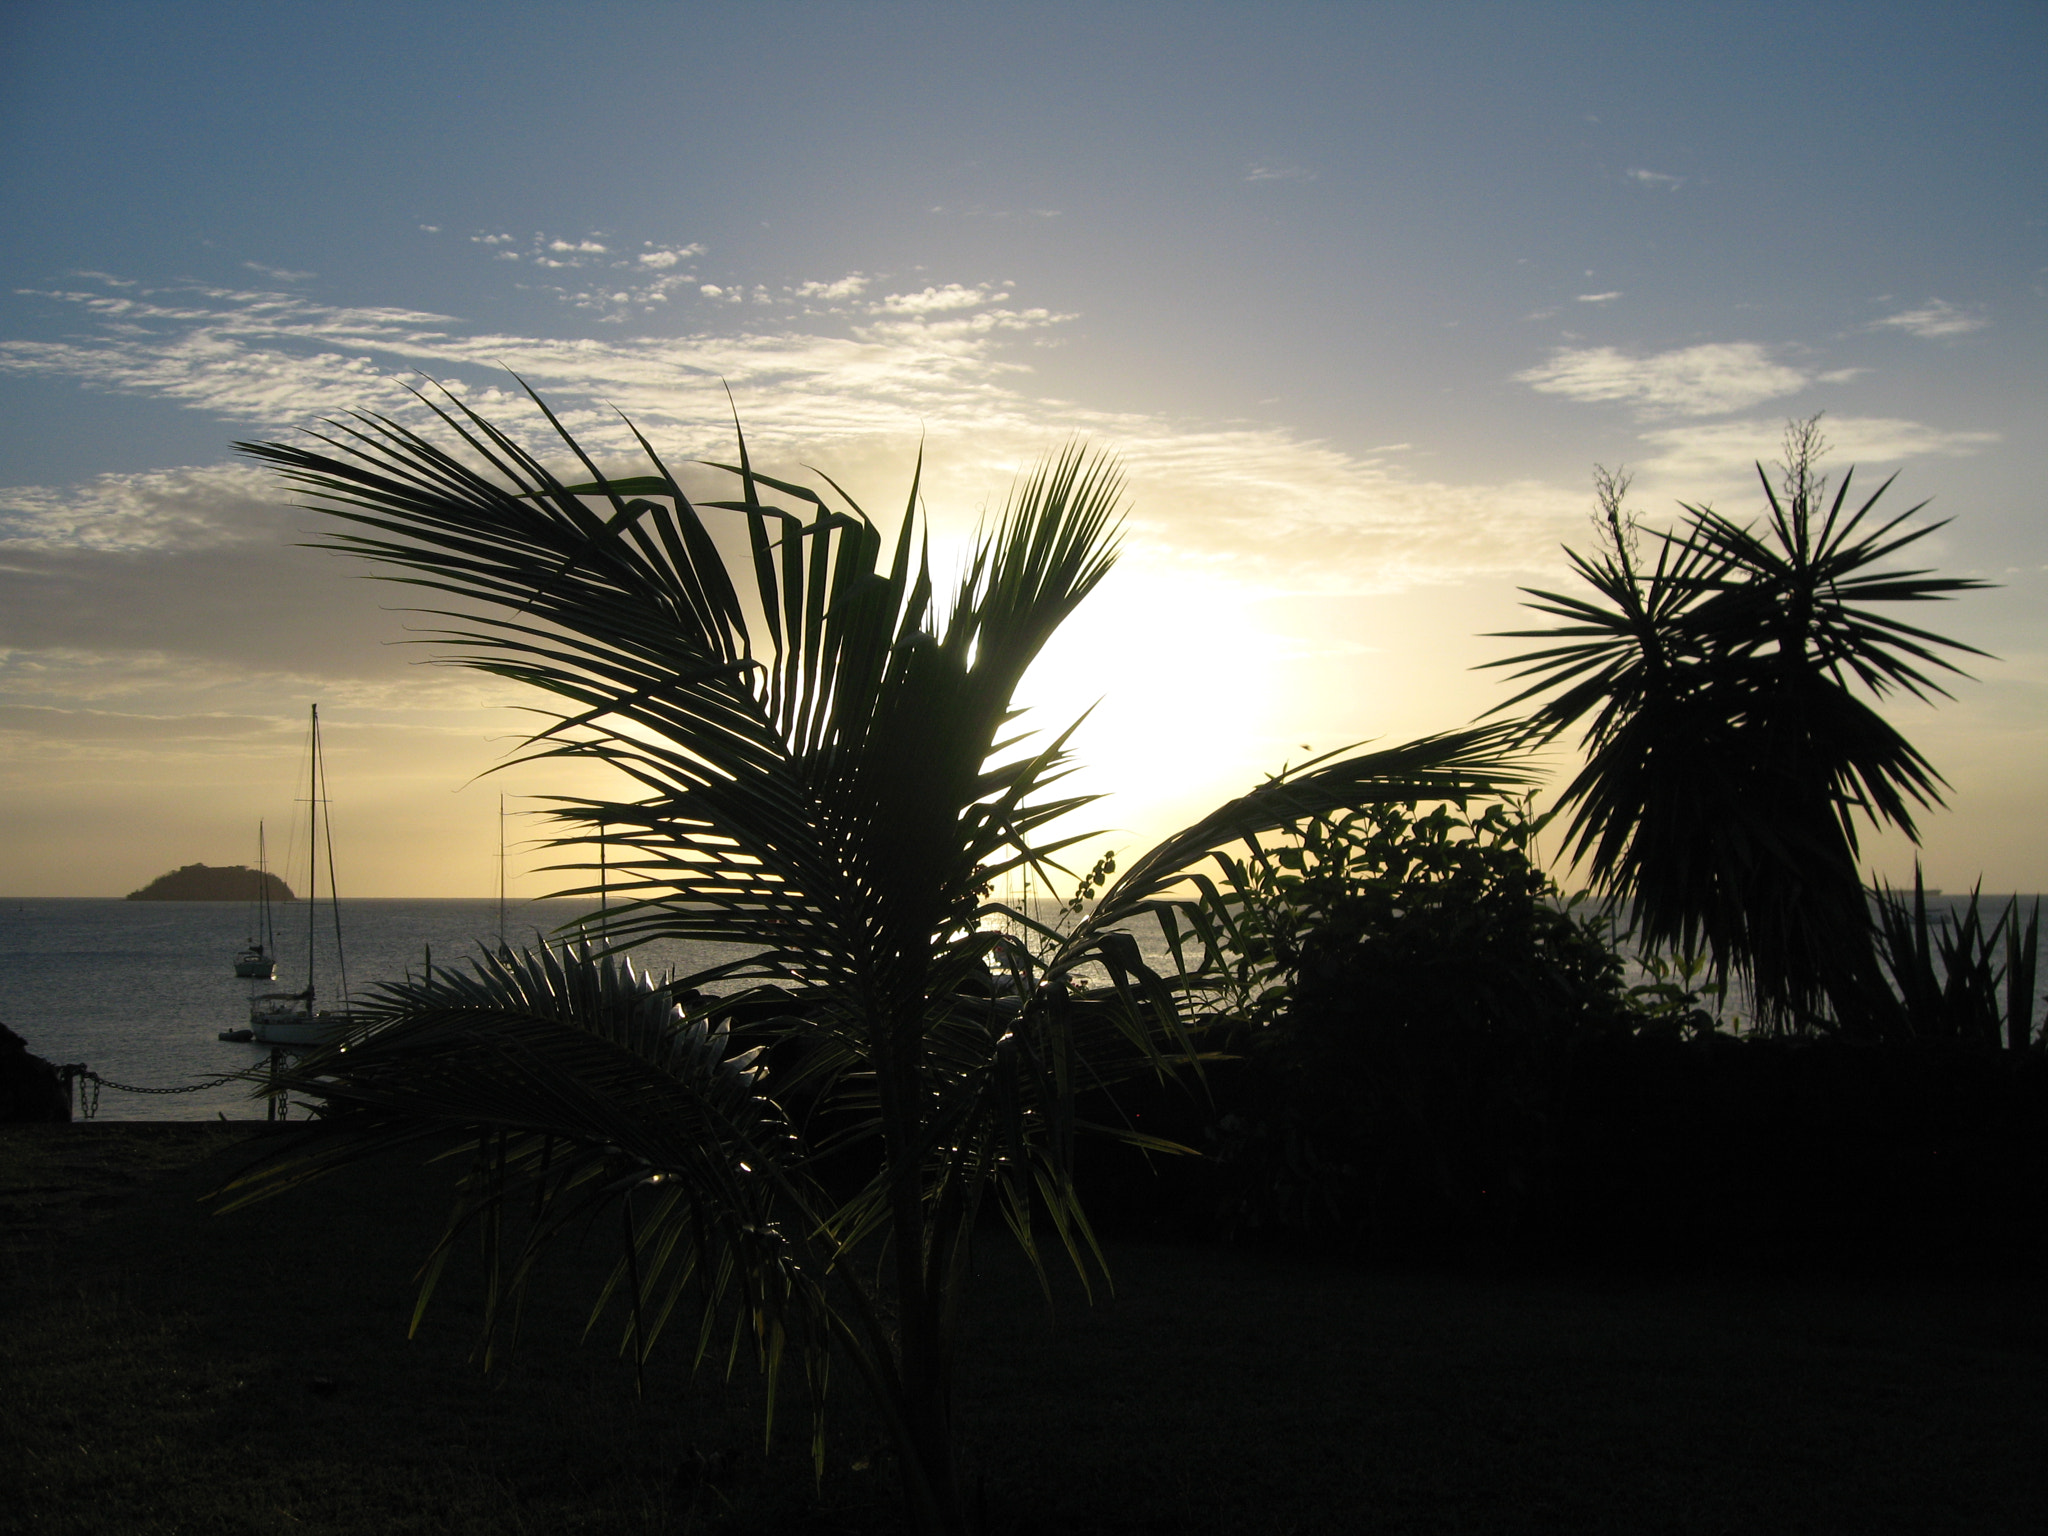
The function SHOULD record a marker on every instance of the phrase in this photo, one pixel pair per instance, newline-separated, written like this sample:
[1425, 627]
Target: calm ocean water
[140, 990]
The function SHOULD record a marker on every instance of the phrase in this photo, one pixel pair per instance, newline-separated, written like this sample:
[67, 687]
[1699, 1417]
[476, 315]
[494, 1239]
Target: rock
[30, 1088]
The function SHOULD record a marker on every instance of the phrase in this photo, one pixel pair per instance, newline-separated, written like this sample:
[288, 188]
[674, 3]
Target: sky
[1360, 294]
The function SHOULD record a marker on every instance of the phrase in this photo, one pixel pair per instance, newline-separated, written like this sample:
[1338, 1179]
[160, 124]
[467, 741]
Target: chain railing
[82, 1087]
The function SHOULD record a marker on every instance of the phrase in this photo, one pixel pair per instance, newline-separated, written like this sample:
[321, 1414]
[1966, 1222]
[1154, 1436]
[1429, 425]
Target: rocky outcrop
[30, 1088]
[205, 882]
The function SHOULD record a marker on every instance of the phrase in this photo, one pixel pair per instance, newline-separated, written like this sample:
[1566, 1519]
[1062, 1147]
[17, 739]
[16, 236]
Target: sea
[139, 991]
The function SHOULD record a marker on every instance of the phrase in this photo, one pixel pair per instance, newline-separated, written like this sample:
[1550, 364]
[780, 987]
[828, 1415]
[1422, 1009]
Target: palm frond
[821, 765]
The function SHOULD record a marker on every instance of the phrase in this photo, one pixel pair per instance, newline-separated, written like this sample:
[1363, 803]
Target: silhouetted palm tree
[1723, 686]
[829, 774]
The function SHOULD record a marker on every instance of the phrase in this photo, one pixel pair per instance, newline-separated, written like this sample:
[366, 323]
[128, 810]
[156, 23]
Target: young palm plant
[1729, 753]
[827, 773]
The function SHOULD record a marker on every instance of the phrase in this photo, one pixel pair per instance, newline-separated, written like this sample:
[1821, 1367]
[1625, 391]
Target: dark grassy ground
[168, 1371]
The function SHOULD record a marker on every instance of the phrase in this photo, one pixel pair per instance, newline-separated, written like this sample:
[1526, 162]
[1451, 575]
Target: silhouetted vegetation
[1716, 679]
[1432, 1054]
[1383, 1027]
[1417, 987]
[831, 777]
[1429, 1056]
[1956, 977]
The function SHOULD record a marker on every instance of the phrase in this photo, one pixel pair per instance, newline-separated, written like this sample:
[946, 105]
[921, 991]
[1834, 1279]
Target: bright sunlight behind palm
[829, 773]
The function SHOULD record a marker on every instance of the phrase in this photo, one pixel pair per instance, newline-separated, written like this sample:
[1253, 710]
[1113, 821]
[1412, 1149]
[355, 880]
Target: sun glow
[1187, 698]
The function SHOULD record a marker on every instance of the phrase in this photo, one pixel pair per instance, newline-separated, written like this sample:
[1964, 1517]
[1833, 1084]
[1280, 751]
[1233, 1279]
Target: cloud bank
[849, 373]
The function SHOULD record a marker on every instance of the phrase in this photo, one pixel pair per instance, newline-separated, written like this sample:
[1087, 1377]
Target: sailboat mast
[333, 885]
[501, 871]
[266, 934]
[313, 866]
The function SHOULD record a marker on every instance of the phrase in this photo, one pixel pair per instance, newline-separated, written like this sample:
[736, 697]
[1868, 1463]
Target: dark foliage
[30, 1088]
[1407, 987]
[1958, 976]
[1875, 1157]
[1722, 689]
[1447, 1065]
[820, 763]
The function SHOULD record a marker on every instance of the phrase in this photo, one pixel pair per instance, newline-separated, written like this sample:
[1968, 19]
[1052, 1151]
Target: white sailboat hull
[288, 1018]
[321, 1029]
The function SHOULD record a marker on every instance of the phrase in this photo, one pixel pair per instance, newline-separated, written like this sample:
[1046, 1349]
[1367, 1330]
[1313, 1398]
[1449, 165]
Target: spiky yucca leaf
[1729, 756]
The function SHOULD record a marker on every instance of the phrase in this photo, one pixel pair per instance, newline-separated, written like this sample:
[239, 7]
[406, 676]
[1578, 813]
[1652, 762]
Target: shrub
[1407, 985]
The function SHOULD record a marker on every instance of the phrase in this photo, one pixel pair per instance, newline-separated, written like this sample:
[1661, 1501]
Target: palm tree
[827, 771]
[1725, 689]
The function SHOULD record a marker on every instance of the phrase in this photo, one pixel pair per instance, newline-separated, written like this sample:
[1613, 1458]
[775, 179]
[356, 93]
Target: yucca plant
[826, 770]
[1723, 688]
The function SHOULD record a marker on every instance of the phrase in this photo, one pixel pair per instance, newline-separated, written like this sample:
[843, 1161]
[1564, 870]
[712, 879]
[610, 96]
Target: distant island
[204, 882]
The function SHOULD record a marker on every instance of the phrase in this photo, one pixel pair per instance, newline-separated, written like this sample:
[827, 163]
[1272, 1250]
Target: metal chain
[76, 1071]
[104, 1082]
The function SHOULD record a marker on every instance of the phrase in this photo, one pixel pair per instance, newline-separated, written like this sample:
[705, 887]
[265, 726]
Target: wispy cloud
[851, 374]
[659, 258]
[115, 725]
[281, 359]
[1937, 317]
[1599, 298]
[280, 274]
[1264, 172]
[1653, 180]
[855, 385]
[983, 211]
[135, 513]
[1707, 459]
[932, 301]
[851, 286]
[1688, 381]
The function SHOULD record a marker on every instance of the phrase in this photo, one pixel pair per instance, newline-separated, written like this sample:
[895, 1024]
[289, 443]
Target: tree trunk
[924, 1402]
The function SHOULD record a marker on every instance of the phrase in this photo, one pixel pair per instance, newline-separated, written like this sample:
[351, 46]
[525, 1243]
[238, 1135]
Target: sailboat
[258, 962]
[294, 1018]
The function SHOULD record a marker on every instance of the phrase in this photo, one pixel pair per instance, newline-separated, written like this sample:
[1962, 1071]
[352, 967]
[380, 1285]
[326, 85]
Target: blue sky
[1360, 292]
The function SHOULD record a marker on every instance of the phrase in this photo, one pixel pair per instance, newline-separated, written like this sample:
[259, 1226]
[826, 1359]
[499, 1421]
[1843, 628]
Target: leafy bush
[1433, 1055]
[1405, 986]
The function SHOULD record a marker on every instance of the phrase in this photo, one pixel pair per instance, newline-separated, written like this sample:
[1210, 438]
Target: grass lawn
[166, 1370]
